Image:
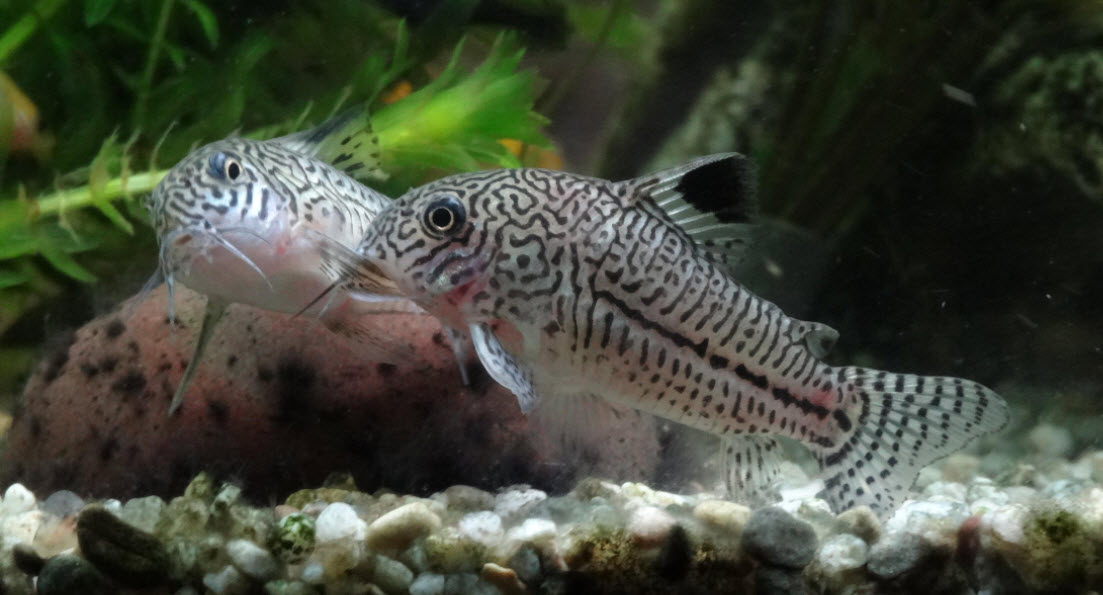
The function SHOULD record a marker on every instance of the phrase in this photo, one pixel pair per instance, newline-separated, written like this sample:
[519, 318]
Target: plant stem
[141, 101]
[114, 189]
[25, 26]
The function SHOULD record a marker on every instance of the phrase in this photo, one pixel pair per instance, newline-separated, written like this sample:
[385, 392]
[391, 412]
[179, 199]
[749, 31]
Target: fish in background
[578, 290]
[244, 221]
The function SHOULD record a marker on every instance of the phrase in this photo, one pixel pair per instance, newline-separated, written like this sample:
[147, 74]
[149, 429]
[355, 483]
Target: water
[929, 183]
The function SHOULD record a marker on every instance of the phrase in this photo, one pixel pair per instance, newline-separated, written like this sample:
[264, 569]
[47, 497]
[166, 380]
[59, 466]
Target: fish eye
[225, 166]
[444, 215]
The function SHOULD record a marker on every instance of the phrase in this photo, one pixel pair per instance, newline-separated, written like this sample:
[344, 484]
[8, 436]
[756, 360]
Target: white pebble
[1050, 440]
[21, 527]
[641, 493]
[339, 522]
[515, 502]
[484, 527]
[649, 525]
[227, 581]
[533, 531]
[399, 527]
[1006, 522]
[313, 573]
[252, 559]
[946, 490]
[935, 521]
[427, 583]
[727, 516]
[143, 513]
[17, 499]
[842, 552]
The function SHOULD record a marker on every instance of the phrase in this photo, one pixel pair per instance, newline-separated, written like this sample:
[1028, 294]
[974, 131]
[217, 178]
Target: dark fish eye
[444, 215]
[224, 166]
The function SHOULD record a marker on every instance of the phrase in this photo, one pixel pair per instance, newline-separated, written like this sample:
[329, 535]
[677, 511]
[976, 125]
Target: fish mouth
[456, 273]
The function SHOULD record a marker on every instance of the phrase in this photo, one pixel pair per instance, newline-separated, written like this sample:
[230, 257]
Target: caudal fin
[902, 423]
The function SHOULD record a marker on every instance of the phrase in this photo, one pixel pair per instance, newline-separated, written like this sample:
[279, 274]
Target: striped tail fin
[902, 423]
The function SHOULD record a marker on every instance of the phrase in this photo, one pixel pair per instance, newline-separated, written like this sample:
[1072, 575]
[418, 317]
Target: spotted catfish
[574, 287]
[244, 221]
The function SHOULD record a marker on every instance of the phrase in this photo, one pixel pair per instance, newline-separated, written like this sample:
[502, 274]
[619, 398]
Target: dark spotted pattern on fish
[605, 295]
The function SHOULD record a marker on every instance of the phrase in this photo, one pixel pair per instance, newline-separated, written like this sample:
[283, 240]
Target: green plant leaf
[12, 278]
[95, 11]
[206, 19]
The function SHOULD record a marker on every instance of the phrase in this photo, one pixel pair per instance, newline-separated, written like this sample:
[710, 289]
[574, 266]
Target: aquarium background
[930, 174]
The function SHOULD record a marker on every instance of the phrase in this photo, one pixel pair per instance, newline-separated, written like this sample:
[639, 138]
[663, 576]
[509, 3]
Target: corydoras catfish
[575, 287]
[244, 221]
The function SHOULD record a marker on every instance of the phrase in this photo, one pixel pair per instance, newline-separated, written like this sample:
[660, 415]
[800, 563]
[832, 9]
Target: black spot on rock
[130, 384]
[108, 363]
[107, 450]
[230, 361]
[54, 364]
[386, 369]
[218, 411]
[115, 328]
[438, 338]
[294, 382]
[89, 370]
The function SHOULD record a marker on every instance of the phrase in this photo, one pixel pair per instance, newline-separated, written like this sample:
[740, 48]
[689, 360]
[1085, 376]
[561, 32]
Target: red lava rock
[278, 403]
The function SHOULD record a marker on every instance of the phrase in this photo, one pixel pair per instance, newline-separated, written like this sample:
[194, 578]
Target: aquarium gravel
[1035, 527]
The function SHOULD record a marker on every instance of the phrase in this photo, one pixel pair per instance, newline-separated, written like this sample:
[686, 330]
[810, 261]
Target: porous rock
[271, 382]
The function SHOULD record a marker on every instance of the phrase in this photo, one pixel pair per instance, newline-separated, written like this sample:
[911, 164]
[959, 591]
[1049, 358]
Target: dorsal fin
[345, 141]
[710, 199]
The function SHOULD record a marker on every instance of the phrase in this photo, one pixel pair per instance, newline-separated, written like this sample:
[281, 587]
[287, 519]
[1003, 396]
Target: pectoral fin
[212, 313]
[503, 367]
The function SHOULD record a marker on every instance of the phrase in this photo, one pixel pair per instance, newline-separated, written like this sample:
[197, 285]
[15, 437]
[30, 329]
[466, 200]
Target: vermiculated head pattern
[239, 182]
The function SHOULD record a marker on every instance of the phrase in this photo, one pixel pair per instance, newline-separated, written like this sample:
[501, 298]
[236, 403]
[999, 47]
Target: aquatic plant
[201, 78]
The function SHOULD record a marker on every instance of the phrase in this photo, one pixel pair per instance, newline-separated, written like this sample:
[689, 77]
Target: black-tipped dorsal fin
[710, 199]
[345, 141]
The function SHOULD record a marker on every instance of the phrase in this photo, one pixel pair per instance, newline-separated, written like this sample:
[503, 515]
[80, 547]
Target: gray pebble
[428, 583]
[526, 564]
[289, 588]
[252, 559]
[776, 538]
[129, 555]
[391, 575]
[72, 575]
[779, 581]
[62, 504]
[896, 555]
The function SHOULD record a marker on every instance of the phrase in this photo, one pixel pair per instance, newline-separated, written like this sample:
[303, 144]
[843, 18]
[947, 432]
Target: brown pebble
[505, 579]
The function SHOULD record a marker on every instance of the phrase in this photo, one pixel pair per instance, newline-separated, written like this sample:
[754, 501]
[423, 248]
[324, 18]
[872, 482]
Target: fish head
[242, 219]
[436, 246]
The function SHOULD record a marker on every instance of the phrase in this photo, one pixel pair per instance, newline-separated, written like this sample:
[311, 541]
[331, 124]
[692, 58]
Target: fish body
[576, 287]
[246, 221]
